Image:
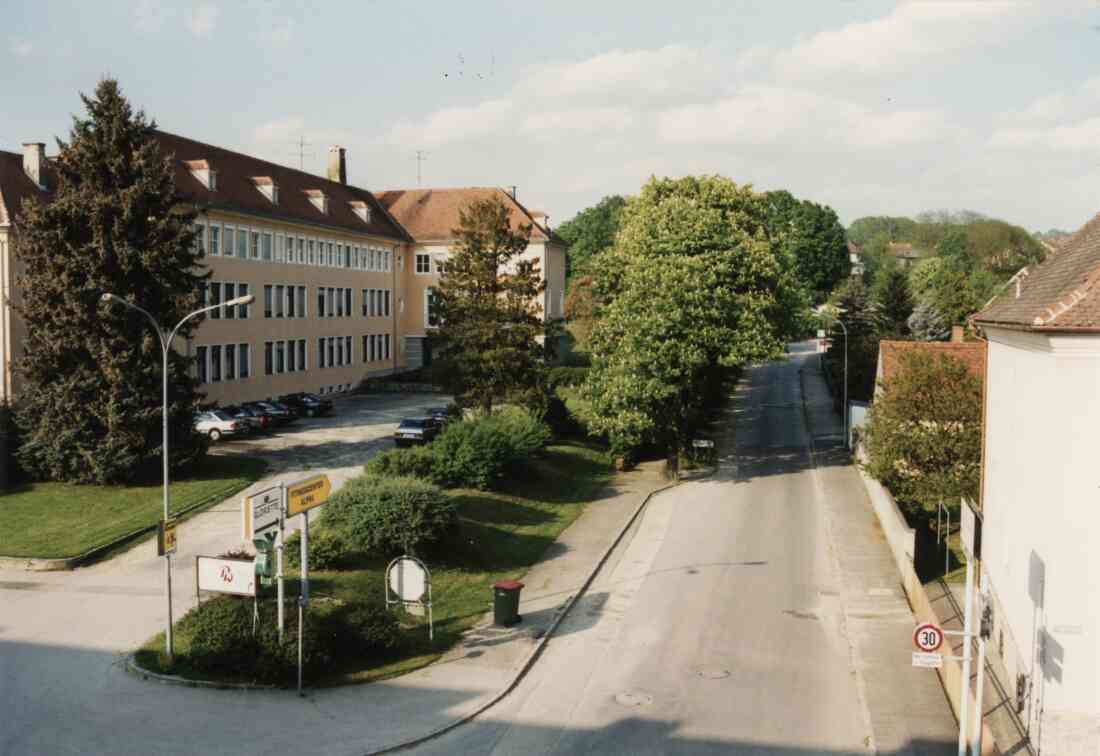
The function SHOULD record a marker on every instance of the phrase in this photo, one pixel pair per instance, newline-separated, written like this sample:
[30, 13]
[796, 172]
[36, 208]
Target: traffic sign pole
[968, 628]
[279, 560]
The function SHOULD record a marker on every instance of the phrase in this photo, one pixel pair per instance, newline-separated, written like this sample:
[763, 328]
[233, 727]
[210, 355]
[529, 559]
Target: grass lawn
[500, 535]
[53, 520]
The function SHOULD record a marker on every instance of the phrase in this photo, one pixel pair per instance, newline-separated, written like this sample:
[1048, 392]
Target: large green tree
[813, 238]
[487, 307]
[90, 410]
[862, 317]
[590, 232]
[895, 302]
[693, 283]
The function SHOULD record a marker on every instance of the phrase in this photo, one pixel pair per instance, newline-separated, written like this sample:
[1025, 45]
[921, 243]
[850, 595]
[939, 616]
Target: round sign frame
[408, 578]
[924, 628]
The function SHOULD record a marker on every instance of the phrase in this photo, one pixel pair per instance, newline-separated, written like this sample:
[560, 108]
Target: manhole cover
[713, 673]
[634, 698]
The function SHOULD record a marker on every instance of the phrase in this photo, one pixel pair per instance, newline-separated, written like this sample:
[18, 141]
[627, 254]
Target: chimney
[34, 158]
[337, 164]
[957, 334]
[512, 191]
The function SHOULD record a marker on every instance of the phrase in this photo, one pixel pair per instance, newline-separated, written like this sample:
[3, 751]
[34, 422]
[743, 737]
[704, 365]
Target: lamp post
[166, 337]
[845, 329]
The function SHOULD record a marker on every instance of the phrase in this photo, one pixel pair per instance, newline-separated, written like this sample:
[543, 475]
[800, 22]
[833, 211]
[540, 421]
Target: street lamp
[166, 337]
[845, 329]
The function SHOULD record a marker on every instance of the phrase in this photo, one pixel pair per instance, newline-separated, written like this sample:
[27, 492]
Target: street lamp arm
[248, 299]
[109, 298]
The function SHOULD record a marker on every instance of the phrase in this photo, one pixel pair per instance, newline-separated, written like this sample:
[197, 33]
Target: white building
[1041, 492]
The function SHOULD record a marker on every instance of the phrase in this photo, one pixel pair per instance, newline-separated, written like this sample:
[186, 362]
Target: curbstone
[135, 669]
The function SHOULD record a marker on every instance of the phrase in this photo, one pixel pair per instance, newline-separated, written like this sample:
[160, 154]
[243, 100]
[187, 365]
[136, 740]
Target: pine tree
[487, 307]
[91, 408]
[895, 301]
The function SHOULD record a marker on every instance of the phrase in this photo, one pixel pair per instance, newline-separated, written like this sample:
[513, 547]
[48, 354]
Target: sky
[872, 108]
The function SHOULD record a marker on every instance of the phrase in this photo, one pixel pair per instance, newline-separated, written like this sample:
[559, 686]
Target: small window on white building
[423, 263]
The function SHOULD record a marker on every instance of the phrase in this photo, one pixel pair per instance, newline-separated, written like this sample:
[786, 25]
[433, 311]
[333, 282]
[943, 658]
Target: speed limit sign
[928, 637]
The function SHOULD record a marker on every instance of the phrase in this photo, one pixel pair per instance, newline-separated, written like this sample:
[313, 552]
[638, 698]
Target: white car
[217, 423]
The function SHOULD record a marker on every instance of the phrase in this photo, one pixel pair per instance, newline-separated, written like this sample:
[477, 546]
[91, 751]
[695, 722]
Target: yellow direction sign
[307, 494]
[166, 537]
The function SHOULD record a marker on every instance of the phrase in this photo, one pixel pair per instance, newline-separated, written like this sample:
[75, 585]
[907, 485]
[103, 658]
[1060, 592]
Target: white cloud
[22, 48]
[455, 124]
[668, 69]
[203, 19]
[566, 123]
[763, 115]
[1059, 122]
[146, 16]
[279, 130]
[279, 33]
[914, 34]
[1078, 137]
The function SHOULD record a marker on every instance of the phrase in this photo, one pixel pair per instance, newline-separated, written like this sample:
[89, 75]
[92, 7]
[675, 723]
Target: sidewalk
[908, 711]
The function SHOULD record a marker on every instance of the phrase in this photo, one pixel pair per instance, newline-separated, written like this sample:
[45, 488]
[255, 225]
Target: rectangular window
[371, 311]
[291, 356]
[330, 301]
[243, 311]
[347, 302]
[339, 255]
[280, 294]
[227, 241]
[280, 356]
[423, 263]
[441, 265]
[401, 263]
[280, 248]
[215, 241]
[300, 244]
[200, 239]
[242, 243]
[347, 350]
[365, 349]
[266, 239]
[268, 357]
[347, 257]
[311, 252]
[302, 354]
[387, 303]
[430, 319]
[372, 341]
[387, 343]
[321, 353]
[291, 305]
[230, 362]
[389, 261]
[215, 363]
[268, 311]
[302, 302]
[244, 360]
[366, 294]
[372, 259]
[331, 351]
[200, 363]
[254, 245]
[339, 351]
[320, 301]
[230, 293]
[215, 298]
[339, 303]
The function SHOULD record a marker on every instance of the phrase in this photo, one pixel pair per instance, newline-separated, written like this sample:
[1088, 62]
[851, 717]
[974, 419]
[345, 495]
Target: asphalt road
[717, 629]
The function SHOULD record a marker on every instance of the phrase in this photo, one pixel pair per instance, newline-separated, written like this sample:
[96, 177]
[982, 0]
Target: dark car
[416, 430]
[440, 414]
[307, 404]
[280, 413]
[253, 418]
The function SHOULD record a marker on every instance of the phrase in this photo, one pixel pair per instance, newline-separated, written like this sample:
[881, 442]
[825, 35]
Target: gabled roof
[970, 353]
[1060, 294]
[15, 185]
[432, 214]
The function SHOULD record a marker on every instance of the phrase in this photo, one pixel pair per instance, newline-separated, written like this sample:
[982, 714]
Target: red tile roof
[432, 214]
[971, 353]
[1060, 294]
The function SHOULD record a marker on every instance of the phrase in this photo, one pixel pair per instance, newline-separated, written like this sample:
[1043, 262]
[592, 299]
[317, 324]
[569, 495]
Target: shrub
[390, 515]
[328, 549]
[415, 462]
[476, 452]
[566, 376]
[221, 635]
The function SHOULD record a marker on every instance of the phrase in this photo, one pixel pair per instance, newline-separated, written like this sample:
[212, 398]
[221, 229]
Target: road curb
[135, 669]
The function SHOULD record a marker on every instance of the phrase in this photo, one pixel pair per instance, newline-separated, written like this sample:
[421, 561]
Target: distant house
[1040, 491]
[855, 257]
[905, 254]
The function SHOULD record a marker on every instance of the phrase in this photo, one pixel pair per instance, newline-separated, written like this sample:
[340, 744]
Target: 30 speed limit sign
[928, 637]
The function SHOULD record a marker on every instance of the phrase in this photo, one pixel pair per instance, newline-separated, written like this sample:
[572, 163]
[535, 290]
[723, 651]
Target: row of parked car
[263, 416]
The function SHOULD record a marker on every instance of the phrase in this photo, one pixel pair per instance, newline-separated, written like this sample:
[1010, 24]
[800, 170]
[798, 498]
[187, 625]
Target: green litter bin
[506, 602]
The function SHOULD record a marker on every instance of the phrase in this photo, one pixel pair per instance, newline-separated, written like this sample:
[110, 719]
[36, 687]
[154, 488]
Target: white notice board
[236, 576]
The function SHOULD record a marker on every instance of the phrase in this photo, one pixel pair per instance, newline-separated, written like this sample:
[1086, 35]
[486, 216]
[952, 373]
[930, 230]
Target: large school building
[342, 277]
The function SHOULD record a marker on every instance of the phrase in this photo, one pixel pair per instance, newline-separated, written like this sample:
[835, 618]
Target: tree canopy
[813, 238]
[91, 408]
[590, 232]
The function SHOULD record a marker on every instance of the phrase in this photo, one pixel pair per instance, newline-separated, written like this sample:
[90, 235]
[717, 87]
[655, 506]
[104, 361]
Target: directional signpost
[262, 512]
[300, 498]
[166, 537]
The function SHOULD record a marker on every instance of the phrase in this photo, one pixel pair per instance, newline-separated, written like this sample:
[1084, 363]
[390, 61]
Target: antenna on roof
[301, 152]
[421, 156]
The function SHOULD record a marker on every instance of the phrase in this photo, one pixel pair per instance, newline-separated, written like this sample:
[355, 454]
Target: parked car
[307, 404]
[416, 430]
[279, 413]
[260, 420]
[217, 423]
[440, 414]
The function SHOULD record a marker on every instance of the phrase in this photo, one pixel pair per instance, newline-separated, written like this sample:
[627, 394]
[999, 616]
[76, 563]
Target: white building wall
[1042, 528]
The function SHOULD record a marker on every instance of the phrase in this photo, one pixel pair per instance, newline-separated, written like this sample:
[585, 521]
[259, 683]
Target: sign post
[262, 512]
[281, 610]
[971, 540]
[408, 579]
[300, 498]
[166, 537]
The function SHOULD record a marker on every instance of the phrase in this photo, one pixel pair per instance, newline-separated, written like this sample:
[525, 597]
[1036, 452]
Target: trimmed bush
[221, 636]
[476, 452]
[414, 462]
[328, 549]
[388, 516]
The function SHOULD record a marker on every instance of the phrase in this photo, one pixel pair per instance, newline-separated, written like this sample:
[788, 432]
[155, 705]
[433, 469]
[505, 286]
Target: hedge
[389, 516]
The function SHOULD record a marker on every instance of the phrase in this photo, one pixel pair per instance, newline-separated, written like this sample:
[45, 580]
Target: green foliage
[414, 462]
[9, 446]
[693, 282]
[924, 434]
[928, 324]
[894, 302]
[863, 231]
[862, 316]
[490, 320]
[388, 516]
[813, 238]
[922, 278]
[221, 635]
[328, 549]
[590, 232]
[90, 410]
[566, 376]
[477, 452]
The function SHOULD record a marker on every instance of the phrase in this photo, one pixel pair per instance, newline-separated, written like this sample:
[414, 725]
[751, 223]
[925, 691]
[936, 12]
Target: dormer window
[319, 199]
[267, 187]
[362, 209]
[204, 172]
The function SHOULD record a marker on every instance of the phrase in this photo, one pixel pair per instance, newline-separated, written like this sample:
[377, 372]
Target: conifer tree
[895, 301]
[91, 408]
[487, 307]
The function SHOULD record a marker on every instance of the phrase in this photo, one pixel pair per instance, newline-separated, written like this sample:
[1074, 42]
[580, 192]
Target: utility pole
[301, 145]
[421, 156]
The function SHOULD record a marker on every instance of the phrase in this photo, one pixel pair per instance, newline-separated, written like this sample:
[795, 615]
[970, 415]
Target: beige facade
[11, 327]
